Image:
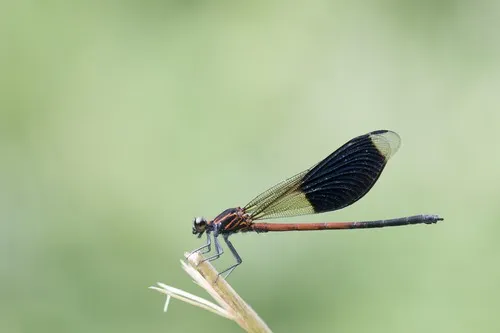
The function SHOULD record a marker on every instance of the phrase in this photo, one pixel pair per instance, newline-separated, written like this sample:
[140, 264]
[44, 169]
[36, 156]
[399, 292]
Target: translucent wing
[283, 199]
[341, 179]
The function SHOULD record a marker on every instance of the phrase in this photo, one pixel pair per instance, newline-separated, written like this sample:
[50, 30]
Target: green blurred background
[123, 120]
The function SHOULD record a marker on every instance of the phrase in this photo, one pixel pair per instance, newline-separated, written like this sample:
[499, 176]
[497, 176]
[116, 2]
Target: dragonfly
[338, 181]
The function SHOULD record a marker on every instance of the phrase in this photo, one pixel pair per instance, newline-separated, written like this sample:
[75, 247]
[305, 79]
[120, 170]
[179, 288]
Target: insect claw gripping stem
[207, 245]
[231, 268]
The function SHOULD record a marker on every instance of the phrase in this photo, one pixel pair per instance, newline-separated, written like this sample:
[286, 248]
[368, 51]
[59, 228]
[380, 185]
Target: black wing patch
[350, 172]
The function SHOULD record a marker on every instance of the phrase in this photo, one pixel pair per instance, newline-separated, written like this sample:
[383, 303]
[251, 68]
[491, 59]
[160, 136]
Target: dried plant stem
[231, 305]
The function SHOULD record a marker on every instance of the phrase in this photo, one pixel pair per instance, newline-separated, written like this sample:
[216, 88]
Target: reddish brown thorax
[232, 220]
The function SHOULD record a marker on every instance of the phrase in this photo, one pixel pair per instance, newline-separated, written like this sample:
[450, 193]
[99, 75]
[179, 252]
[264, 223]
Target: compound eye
[200, 221]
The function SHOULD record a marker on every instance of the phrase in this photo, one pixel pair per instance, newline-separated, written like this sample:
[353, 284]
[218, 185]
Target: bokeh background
[123, 120]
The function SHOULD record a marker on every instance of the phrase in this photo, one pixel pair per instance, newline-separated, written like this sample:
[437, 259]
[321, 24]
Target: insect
[339, 180]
